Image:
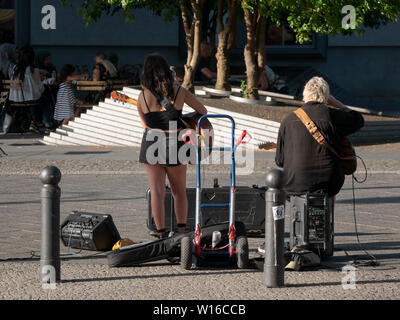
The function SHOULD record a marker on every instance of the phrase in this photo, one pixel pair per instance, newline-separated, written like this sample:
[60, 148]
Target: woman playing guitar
[157, 81]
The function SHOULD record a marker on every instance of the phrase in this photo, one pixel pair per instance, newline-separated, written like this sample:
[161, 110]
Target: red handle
[189, 134]
[244, 134]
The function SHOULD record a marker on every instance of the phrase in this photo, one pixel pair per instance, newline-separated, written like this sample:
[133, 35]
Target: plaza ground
[109, 180]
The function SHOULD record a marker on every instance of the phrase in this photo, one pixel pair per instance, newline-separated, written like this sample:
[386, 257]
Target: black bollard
[50, 266]
[275, 199]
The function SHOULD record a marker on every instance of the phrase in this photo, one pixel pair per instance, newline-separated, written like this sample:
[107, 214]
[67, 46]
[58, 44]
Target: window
[7, 21]
[281, 44]
[284, 37]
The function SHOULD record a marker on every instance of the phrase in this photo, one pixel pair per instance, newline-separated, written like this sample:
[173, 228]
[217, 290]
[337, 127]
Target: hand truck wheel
[186, 253]
[242, 250]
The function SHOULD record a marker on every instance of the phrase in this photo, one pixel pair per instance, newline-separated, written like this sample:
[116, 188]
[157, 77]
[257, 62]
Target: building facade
[366, 66]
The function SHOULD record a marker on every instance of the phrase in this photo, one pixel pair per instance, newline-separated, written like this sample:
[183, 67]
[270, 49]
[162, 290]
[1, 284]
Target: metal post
[274, 229]
[50, 228]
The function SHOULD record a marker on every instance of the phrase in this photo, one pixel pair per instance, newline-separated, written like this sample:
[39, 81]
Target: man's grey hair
[316, 89]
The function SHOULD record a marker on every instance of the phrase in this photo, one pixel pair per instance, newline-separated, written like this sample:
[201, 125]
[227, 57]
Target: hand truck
[236, 252]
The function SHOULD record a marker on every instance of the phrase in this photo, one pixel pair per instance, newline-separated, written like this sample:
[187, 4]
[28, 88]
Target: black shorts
[164, 151]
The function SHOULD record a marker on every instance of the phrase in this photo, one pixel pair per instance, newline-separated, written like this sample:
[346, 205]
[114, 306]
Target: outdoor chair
[93, 92]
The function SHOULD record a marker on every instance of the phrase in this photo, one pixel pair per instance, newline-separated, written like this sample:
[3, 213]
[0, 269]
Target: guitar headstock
[267, 145]
[117, 96]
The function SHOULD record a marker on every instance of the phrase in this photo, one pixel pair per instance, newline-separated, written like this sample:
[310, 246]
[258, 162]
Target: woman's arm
[139, 109]
[192, 102]
[77, 77]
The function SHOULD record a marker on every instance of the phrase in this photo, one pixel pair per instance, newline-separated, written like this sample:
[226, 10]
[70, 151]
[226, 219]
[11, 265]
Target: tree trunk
[222, 65]
[254, 51]
[193, 39]
[226, 41]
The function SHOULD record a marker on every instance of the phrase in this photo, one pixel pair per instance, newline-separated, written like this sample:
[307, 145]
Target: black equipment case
[169, 247]
[249, 207]
[89, 231]
[312, 223]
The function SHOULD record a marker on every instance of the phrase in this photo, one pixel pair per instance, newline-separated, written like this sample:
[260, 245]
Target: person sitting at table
[66, 106]
[111, 70]
[31, 90]
[204, 72]
[270, 81]
[43, 62]
[99, 72]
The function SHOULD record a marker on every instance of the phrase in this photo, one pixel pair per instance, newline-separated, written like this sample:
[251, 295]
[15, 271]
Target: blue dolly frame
[234, 253]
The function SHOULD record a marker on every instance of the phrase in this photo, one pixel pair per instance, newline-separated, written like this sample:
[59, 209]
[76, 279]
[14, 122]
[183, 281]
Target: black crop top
[160, 119]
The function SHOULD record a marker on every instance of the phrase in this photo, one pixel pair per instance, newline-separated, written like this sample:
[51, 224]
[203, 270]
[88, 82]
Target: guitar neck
[132, 101]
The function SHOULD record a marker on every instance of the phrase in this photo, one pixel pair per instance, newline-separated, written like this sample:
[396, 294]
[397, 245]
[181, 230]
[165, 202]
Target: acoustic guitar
[190, 120]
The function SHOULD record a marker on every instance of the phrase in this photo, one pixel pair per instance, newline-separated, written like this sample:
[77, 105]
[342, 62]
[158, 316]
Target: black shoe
[34, 128]
[174, 260]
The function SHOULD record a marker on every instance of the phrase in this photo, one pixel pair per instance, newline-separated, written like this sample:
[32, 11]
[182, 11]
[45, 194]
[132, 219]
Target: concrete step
[96, 137]
[109, 111]
[104, 132]
[63, 136]
[109, 104]
[109, 125]
[98, 119]
[48, 140]
[100, 114]
[121, 105]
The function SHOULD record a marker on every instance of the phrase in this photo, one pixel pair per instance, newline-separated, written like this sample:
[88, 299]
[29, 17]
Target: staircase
[113, 123]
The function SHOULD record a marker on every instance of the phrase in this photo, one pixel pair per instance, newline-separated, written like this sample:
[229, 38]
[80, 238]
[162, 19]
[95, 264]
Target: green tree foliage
[308, 17]
[93, 10]
[305, 17]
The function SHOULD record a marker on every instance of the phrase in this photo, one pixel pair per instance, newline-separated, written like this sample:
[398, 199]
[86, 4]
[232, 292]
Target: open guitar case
[137, 254]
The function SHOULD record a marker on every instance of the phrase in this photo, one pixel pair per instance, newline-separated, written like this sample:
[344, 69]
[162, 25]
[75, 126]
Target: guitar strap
[170, 108]
[313, 129]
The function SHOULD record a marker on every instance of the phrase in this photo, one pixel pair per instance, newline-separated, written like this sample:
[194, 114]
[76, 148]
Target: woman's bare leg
[156, 177]
[177, 179]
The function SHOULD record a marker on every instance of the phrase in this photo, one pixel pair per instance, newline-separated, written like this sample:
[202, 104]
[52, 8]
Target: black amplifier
[312, 223]
[89, 231]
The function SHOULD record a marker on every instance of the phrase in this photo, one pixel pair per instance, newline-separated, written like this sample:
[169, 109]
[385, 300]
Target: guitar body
[348, 156]
[206, 129]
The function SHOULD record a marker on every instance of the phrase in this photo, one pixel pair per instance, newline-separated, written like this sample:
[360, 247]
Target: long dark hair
[103, 71]
[157, 76]
[26, 59]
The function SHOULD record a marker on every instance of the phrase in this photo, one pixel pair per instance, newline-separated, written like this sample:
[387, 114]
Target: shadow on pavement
[375, 200]
[153, 276]
[297, 285]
